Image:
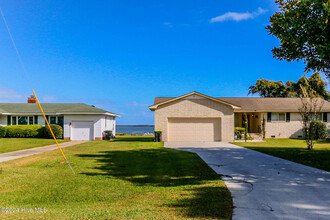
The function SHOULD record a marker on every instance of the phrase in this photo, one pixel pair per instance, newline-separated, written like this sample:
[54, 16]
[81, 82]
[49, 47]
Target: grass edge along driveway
[15, 144]
[126, 178]
[294, 150]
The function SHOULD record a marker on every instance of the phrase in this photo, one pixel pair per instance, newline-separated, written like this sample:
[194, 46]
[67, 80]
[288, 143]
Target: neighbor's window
[52, 119]
[13, 121]
[60, 120]
[278, 116]
[30, 120]
[22, 120]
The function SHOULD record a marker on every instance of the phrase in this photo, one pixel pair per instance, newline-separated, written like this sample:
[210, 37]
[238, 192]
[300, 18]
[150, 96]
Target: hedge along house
[79, 121]
[196, 117]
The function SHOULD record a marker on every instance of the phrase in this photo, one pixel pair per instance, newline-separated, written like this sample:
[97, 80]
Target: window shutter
[325, 116]
[8, 120]
[47, 120]
[269, 116]
[36, 119]
[288, 116]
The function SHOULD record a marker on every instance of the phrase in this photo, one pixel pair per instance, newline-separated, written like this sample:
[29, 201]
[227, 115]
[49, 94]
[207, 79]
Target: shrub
[318, 130]
[2, 132]
[57, 130]
[238, 132]
[263, 127]
[24, 131]
[249, 138]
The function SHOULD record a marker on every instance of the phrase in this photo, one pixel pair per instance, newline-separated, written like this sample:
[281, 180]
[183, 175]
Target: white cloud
[11, 95]
[49, 98]
[168, 24]
[135, 103]
[235, 16]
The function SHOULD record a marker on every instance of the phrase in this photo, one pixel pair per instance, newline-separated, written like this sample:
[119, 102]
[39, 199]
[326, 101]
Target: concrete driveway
[263, 186]
[37, 150]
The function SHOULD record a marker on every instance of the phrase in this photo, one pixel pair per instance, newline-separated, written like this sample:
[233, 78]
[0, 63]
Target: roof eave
[272, 110]
[61, 113]
[112, 114]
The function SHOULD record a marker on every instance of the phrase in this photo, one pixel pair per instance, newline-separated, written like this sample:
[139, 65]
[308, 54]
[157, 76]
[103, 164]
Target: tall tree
[314, 85]
[267, 88]
[303, 29]
[310, 107]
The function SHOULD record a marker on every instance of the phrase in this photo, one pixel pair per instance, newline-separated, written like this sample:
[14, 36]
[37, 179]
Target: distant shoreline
[135, 125]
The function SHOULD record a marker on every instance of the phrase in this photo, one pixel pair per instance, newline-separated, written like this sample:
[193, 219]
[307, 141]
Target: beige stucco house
[195, 117]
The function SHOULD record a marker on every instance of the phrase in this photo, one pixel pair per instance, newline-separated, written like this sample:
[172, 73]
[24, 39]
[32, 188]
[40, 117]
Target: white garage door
[82, 130]
[194, 129]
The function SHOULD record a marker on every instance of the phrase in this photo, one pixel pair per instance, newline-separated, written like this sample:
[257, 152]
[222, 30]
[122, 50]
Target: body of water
[135, 129]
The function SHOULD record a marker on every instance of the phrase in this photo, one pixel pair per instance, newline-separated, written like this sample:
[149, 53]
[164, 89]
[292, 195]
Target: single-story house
[79, 121]
[198, 117]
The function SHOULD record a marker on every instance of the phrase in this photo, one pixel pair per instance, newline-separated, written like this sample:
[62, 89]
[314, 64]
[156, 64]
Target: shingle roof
[50, 108]
[259, 104]
[162, 99]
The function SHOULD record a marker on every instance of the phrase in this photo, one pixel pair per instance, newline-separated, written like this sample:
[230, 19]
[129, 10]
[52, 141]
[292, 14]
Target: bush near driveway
[32, 131]
[239, 132]
[24, 131]
[57, 130]
[2, 132]
[319, 130]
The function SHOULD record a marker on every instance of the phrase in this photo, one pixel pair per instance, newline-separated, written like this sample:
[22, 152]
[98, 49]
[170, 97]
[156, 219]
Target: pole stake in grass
[51, 131]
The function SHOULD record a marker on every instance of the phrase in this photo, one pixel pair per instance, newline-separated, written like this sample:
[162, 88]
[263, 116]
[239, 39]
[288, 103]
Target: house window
[30, 120]
[8, 120]
[22, 120]
[14, 120]
[278, 116]
[60, 120]
[52, 119]
[318, 115]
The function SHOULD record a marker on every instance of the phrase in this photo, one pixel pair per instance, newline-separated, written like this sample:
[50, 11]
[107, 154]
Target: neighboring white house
[79, 121]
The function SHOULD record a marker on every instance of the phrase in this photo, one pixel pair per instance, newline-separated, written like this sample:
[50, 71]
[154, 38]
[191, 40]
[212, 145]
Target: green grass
[14, 144]
[128, 178]
[294, 150]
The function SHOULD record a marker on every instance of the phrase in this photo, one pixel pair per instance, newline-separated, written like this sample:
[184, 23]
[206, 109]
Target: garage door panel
[82, 130]
[194, 129]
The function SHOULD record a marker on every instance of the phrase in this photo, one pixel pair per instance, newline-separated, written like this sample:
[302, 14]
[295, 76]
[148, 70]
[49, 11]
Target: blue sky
[119, 55]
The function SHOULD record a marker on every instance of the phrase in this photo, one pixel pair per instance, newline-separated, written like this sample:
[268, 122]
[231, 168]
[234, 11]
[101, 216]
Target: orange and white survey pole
[51, 131]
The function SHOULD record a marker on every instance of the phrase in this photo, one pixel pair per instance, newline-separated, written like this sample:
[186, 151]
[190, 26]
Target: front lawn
[14, 144]
[294, 150]
[128, 178]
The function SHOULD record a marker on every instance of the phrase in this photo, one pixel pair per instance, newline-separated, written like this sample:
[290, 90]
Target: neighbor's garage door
[194, 129]
[82, 130]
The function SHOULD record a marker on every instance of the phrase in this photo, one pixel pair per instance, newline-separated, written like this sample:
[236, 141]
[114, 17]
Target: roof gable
[165, 100]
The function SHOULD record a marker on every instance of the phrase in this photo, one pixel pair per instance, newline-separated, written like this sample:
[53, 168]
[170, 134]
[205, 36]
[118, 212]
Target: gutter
[64, 113]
